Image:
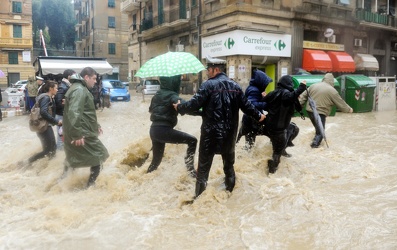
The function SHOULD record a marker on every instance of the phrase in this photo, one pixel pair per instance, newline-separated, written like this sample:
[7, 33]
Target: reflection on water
[341, 197]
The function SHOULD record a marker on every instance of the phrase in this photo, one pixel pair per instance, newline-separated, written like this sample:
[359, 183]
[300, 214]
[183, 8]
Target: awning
[316, 60]
[341, 62]
[366, 62]
[57, 66]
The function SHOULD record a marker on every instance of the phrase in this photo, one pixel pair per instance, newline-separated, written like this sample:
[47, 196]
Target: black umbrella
[317, 118]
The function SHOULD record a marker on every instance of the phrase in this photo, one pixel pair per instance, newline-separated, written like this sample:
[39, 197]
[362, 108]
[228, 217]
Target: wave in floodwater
[341, 197]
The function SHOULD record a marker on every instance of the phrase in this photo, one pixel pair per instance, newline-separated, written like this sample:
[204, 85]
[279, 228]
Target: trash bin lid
[310, 79]
[357, 81]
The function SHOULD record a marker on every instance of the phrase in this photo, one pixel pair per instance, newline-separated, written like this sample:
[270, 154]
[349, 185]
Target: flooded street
[341, 197]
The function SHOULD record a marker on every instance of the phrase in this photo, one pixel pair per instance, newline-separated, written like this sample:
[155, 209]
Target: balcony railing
[16, 42]
[170, 18]
[368, 16]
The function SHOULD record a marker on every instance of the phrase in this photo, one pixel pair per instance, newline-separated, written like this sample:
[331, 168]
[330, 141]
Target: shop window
[111, 22]
[16, 7]
[12, 57]
[17, 31]
[112, 48]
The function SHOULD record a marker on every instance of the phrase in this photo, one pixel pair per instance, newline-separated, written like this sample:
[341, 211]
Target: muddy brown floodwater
[341, 197]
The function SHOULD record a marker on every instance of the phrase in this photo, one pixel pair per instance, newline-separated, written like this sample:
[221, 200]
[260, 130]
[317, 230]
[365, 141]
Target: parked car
[127, 84]
[16, 93]
[148, 86]
[116, 90]
[18, 87]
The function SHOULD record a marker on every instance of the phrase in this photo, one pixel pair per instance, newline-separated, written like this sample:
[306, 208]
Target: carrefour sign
[240, 42]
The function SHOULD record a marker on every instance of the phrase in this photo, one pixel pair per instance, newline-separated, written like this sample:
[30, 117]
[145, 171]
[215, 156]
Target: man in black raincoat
[220, 100]
[281, 104]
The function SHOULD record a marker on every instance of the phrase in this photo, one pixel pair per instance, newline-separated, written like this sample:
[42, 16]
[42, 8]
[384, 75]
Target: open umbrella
[317, 118]
[2, 74]
[170, 64]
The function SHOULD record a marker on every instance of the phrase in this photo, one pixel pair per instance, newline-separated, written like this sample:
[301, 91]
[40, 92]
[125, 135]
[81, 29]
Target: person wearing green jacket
[325, 96]
[164, 118]
[80, 127]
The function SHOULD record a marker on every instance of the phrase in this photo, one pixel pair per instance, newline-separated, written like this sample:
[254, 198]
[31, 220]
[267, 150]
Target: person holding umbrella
[324, 96]
[220, 99]
[164, 118]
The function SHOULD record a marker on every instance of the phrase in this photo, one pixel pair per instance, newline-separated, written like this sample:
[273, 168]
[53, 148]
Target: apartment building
[277, 36]
[16, 44]
[102, 32]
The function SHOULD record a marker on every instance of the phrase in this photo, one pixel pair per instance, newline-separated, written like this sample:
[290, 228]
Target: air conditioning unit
[358, 42]
[179, 48]
[331, 39]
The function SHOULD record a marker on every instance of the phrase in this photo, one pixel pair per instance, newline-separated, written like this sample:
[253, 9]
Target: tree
[55, 16]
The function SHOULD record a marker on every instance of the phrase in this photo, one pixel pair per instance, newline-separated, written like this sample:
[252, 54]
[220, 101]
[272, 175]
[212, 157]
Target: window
[17, 31]
[194, 3]
[111, 4]
[16, 7]
[12, 57]
[111, 22]
[112, 48]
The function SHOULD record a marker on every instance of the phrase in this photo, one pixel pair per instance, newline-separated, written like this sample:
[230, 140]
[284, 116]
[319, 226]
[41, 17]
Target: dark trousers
[48, 143]
[161, 135]
[206, 158]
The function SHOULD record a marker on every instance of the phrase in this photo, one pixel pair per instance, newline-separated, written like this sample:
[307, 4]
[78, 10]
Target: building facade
[16, 44]
[277, 36]
[102, 32]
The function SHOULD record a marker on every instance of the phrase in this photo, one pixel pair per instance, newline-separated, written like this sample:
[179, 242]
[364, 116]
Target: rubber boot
[93, 175]
[316, 141]
[230, 182]
[285, 154]
[292, 133]
[189, 161]
[151, 168]
[273, 163]
[200, 187]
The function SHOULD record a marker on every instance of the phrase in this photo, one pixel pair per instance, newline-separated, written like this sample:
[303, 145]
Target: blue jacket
[257, 85]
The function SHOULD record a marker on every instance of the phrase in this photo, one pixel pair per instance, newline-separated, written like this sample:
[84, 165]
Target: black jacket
[281, 104]
[62, 89]
[220, 99]
[47, 108]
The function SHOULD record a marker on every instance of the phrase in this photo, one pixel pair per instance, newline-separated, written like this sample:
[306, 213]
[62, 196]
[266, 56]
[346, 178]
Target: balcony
[372, 18]
[128, 6]
[169, 20]
[21, 43]
[316, 10]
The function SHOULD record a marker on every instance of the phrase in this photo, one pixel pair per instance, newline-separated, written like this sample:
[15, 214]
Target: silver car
[148, 86]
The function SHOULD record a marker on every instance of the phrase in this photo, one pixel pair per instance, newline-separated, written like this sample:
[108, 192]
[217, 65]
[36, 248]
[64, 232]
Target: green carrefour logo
[280, 45]
[229, 43]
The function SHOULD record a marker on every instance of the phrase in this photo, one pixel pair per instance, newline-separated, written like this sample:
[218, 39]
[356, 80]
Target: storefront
[241, 47]
[326, 57]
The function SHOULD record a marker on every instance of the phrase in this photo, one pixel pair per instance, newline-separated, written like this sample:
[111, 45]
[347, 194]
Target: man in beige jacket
[325, 96]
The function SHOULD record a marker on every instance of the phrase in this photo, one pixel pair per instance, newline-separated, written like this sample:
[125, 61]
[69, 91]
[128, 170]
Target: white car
[16, 93]
[148, 86]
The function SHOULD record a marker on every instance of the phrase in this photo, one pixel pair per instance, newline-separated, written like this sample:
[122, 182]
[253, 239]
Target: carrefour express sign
[240, 42]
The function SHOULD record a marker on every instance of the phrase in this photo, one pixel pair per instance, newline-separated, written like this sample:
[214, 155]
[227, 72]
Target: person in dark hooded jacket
[281, 106]
[255, 92]
[164, 118]
[220, 100]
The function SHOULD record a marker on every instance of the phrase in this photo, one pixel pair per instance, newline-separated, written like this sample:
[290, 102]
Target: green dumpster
[312, 79]
[358, 91]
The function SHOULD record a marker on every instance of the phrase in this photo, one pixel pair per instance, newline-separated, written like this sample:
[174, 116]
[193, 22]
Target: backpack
[36, 122]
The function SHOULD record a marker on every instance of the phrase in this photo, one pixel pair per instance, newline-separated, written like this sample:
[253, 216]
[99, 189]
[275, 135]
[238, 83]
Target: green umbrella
[170, 64]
